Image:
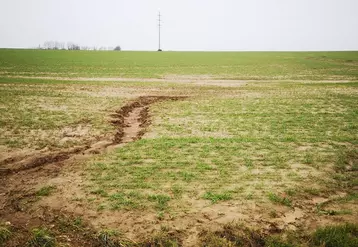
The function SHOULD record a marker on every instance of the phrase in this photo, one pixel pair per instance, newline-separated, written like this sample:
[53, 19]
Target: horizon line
[22, 48]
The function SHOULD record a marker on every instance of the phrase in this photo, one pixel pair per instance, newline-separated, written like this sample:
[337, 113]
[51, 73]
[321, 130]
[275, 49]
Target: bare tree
[48, 45]
[56, 45]
[73, 46]
[61, 45]
[53, 45]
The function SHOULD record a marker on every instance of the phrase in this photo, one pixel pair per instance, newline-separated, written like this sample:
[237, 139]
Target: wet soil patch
[133, 118]
[21, 175]
[131, 122]
[37, 161]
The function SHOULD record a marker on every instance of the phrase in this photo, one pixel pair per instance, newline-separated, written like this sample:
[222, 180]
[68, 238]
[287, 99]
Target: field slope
[178, 148]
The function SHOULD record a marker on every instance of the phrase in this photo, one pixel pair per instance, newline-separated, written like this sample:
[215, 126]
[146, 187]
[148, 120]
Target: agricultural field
[178, 148]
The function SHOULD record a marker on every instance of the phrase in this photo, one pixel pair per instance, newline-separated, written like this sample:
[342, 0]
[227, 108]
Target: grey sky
[187, 24]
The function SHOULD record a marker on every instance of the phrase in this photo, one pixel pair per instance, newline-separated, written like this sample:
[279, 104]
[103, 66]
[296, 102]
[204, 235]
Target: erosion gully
[20, 175]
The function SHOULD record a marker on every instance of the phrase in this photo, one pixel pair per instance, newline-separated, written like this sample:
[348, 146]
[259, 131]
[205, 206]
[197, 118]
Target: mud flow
[131, 122]
[21, 175]
[133, 118]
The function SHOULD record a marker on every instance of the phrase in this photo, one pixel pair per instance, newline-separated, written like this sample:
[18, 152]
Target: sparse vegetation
[5, 234]
[280, 199]
[45, 191]
[164, 238]
[340, 235]
[285, 139]
[161, 201]
[109, 238]
[215, 197]
[345, 235]
[232, 235]
[41, 237]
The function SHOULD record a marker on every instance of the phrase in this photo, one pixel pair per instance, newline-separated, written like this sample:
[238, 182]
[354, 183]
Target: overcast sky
[187, 24]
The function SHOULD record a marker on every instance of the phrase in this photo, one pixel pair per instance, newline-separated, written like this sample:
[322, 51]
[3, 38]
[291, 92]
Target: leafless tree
[72, 46]
[53, 45]
[61, 45]
[49, 45]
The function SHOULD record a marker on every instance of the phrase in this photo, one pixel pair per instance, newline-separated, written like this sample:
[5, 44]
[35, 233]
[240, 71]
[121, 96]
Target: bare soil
[206, 80]
[24, 173]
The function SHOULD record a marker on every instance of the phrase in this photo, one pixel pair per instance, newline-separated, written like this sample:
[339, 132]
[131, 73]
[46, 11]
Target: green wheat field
[261, 151]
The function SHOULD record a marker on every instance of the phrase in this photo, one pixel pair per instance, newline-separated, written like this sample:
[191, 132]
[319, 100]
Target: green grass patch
[347, 160]
[345, 235]
[280, 199]
[46, 191]
[215, 197]
[160, 200]
[121, 200]
[5, 234]
[41, 237]
[340, 235]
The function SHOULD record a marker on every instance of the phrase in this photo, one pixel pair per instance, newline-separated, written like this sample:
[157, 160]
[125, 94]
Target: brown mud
[22, 176]
[131, 122]
[17, 165]
[21, 206]
[133, 118]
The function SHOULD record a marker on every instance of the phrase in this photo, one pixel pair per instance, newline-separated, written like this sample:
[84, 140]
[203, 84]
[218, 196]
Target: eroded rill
[131, 122]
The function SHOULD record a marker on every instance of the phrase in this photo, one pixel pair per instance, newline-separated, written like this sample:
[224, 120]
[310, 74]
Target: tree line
[55, 45]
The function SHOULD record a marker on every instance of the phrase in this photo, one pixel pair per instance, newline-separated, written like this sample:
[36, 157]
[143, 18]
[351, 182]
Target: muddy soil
[133, 118]
[21, 176]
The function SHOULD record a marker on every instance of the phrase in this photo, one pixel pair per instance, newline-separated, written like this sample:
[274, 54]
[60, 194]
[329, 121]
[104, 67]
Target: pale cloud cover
[187, 24]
